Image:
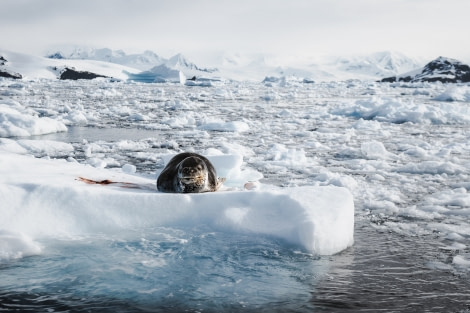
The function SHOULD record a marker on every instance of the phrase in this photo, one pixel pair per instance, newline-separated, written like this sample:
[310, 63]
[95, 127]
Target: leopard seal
[189, 173]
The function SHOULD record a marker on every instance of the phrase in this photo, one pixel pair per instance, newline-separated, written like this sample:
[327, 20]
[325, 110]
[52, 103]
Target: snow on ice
[15, 121]
[44, 198]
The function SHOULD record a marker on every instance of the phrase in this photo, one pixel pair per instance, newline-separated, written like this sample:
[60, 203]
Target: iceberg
[43, 198]
[158, 74]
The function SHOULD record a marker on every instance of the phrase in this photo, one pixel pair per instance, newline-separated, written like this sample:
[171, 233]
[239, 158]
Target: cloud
[294, 27]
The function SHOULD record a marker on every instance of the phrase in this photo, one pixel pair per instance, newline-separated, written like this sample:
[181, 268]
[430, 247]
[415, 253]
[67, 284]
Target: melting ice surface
[401, 150]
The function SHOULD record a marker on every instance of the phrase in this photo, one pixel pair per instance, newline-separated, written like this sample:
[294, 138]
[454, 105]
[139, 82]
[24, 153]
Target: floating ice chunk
[417, 152]
[97, 162]
[436, 265]
[128, 145]
[455, 237]
[77, 117]
[430, 167]
[223, 93]
[461, 261]
[181, 121]
[16, 124]
[138, 117]
[157, 74]
[454, 94]
[47, 147]
[367, 125]
[335, 179]
[13, 146]
[129, 168]
[401, 111]
[43, 147]
[281, 155]
[14, 245]
[458, 197]
[234, 126]
[52, 202]
[213, 151]
[455, 245]
[375, 150]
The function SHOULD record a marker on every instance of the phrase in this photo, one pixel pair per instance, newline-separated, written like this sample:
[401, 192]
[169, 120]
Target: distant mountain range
[83, 63]
[379, 64]
[254, 67]
[143, 61]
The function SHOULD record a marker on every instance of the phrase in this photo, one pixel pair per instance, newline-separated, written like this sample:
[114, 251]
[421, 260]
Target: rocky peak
[445, 66]
[4, 72]
[442, 69]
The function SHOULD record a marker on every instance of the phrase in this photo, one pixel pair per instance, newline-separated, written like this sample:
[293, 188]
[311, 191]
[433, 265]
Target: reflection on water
[174, 270]
[164, 270]
[387, 272]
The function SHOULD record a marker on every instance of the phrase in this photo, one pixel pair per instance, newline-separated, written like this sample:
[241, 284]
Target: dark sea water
[196, 270]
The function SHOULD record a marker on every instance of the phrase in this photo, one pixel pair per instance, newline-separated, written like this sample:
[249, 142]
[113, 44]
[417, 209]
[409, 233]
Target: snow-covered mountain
[150, 67]
[35, 67]
[257, 66]
[142, 61]
[379, 64]
[179, 62]
[324, 68]
[148, 61]
[442, 69]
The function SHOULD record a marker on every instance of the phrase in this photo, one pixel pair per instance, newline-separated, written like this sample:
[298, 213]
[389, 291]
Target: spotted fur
[189, 173]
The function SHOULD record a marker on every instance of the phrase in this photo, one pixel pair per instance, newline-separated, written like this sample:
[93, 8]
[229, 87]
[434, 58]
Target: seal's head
[192, 175]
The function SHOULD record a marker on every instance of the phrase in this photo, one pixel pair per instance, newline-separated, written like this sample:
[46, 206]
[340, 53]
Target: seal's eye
[199, 168]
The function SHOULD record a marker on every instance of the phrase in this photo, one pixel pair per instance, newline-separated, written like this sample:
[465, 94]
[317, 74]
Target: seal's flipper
[220, 181]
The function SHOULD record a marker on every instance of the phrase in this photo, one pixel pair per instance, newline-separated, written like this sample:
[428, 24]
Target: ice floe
[45, 198]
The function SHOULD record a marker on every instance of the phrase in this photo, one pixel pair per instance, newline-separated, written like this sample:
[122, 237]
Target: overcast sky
[420, 28]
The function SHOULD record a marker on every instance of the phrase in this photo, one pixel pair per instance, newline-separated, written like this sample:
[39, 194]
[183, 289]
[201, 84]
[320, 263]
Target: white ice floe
[14, 123]
[234, 126]
[38, 147]
[44, 199]
[454, 93]
[375, 150]
[400, 111]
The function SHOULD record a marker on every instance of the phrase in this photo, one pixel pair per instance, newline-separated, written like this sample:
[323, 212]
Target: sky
[202, 28]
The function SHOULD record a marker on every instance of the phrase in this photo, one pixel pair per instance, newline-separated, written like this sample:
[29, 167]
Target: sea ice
[399, 111]
[44, 198]
[454, 93]
[14, 123]
[375, 150]
[14, 245]
[234, 126]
